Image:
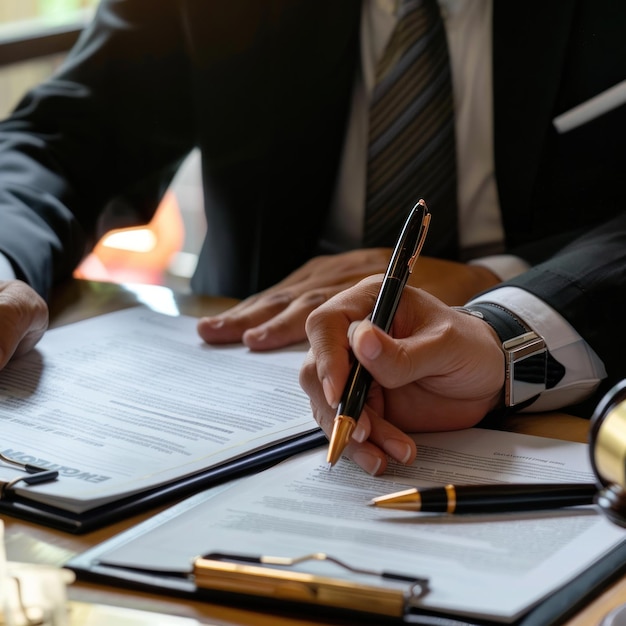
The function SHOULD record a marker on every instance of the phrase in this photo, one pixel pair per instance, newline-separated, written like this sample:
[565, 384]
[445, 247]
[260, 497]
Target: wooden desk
[37, 544]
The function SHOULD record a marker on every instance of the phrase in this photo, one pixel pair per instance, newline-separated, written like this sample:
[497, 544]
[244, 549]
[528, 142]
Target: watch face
[526, 366]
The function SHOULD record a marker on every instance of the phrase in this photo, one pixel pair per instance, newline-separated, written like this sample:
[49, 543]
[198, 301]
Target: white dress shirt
[468, 28]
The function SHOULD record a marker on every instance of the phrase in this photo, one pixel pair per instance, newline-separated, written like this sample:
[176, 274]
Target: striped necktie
[411, 151]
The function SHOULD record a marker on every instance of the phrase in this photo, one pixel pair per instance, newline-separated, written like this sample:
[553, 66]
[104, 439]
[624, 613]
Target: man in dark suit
[266, 90]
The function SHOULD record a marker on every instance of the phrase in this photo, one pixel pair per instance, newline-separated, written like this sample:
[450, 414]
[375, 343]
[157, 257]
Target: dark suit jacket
[262, 87]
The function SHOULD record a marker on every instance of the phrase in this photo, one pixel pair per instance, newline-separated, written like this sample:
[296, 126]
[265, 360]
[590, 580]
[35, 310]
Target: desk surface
[37, 544]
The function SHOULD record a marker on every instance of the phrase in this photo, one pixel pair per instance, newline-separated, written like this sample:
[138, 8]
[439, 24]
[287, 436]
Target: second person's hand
[276, 317]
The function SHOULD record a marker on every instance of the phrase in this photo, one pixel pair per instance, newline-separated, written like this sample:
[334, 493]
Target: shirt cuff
[583, 368]
[6, 269]
[504, 266]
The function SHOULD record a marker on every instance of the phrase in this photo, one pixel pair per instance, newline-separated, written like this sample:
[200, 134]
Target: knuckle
[313, 299]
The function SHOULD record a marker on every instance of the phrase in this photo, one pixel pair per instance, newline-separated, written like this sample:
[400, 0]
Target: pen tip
[329, 466]
[342, 431]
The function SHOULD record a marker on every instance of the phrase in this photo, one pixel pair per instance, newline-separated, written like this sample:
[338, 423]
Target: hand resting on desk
[275, 318]
[271, 319]
[438, 369]
[23, 319]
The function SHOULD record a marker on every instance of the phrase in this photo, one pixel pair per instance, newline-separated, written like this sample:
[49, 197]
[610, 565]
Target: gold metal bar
[298, 587]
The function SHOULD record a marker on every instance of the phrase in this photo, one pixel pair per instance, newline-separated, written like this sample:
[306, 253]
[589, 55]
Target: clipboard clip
[251, 575]
[34, 475]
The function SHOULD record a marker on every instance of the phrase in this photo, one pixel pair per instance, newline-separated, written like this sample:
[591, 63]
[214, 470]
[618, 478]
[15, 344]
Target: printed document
[131, 400]
[487, 566]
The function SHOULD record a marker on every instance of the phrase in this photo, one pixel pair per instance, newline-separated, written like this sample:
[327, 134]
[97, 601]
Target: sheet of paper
[133, 399]
[482, 566]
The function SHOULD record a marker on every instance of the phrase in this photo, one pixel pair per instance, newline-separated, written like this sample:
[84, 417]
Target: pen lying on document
[403, 258]
[497, 498]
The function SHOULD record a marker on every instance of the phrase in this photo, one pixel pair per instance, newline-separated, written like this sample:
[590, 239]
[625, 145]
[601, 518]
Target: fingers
[369, 456]
[228, 326]
[374, 439]
[276, 317]
[287, 326]
[377, 442]
[23, 319]
[443, 370]
[262, 322]
[447, 374]
[384, 440]
[388, 360]
[326, 330]
[373, 442]
[437, 370]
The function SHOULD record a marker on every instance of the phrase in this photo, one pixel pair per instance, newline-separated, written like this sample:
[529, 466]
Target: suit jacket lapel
[529, 42]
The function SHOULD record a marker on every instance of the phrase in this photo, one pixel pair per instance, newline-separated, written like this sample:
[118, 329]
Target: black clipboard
[91, 566]
[78, 523]
[560, 606]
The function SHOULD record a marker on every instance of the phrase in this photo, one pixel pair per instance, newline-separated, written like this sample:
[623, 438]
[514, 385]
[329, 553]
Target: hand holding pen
[439, 369]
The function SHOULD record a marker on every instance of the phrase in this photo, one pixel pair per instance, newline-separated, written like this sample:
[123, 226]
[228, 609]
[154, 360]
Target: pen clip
[422, 238]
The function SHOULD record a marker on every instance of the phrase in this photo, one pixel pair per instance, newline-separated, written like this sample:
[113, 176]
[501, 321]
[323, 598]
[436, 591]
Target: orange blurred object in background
[139, 254]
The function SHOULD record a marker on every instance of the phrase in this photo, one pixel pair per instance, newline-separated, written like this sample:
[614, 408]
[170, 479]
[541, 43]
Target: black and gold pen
[494, 498]
[405, 254]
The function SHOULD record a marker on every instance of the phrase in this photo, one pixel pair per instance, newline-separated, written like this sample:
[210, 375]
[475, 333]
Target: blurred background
[35, 35]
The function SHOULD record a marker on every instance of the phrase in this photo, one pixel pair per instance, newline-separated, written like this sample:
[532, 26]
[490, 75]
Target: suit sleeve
[114, 120]
[585, 282]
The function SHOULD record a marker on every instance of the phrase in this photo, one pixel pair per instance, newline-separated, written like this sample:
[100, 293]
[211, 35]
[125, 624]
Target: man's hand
[275, 318]
[438, 369]
[23, 319]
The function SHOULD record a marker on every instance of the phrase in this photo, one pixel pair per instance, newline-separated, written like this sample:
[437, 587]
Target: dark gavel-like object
[607, 452]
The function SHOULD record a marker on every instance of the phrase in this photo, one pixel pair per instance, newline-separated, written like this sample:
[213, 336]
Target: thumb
[385, 358]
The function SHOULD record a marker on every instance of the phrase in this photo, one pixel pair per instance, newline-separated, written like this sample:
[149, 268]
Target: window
[34, 35]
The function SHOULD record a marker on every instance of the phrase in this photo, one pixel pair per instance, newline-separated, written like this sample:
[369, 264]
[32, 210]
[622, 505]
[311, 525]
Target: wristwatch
[529, 366]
